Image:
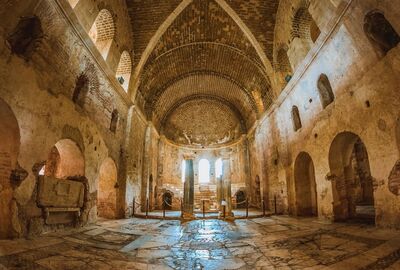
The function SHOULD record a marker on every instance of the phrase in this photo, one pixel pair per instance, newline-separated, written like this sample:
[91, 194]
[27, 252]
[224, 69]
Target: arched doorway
[167, 200]
[240, 199]
[353, 194]
[305, 186]
[65, 160]
[107, 193]
[9, 148]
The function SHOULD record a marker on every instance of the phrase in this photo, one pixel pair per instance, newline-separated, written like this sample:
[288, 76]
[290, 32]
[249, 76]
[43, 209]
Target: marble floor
[277, 242]
[170, 214]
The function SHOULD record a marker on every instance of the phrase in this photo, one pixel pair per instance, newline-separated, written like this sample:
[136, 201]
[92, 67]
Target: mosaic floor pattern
[263, 243]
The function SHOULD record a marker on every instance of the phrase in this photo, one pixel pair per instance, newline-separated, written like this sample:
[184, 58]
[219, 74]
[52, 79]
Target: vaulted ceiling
[203, 65]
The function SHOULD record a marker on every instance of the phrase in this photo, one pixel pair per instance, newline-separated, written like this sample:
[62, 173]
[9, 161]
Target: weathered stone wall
[39, 89]
[134, 159]
[86, 11]
[366, 104]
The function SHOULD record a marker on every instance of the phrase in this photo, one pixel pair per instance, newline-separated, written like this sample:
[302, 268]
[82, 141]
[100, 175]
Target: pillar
[226, 188]
[219, 191]
[188, 192]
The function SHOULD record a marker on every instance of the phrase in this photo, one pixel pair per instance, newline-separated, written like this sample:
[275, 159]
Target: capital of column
[188, 156]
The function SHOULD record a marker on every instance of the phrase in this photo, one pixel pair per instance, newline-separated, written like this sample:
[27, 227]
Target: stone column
[226, 188]
[219, 191]
[188, 192]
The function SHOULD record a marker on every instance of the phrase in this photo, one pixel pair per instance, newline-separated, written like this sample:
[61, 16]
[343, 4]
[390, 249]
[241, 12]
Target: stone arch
[124, 70]
[9, 149]
[296, 118]
[282, 59]
[303, 25]
[325, 90]
[26, 36]
[65, 160]
[352, 183]
[103, 31]
[304, 32]
[380, 32]
[81, 90]
[114, 121]
[305, 185]
[240, 197]
[397, 135]
[107, 193]
[167, 200]
[283, 66]
[394, 176]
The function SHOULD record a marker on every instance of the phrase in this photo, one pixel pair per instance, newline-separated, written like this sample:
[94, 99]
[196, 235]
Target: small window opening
[124, 70]
[81, 90]
[114, 121]
[325, 90]
[102, 32]
[380, 32]
[218, 168]
[25, 37]
[204, 171]
[296, 118]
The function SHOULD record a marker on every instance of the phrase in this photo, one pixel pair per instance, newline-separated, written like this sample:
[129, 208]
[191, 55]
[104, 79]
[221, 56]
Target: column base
[188, 216]
[228, 216]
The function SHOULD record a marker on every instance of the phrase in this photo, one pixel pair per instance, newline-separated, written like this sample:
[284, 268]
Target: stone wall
[366, 104]
[39, 89]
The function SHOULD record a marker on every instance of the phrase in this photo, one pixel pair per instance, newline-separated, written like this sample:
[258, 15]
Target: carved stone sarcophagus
[60, 199]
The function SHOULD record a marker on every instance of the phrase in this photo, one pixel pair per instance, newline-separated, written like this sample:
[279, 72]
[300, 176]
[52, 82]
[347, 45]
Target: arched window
[204, 171]
[325, 91]
[81, 90]
[102, 32]
[218, 168]
[73, 3]
[114, 121]
[283, 61]
[296, 118]
[304, 26]
[380, 32]
[183, 171]
[26, 36]
[124, 70]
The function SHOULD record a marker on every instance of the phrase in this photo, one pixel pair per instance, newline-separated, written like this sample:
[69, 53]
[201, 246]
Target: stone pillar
[219, 191]
[188, 192]
[226, 188]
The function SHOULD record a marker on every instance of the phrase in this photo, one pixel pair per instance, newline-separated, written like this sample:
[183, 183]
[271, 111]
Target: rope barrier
[137, 203]
[167, 203]
[241, 202]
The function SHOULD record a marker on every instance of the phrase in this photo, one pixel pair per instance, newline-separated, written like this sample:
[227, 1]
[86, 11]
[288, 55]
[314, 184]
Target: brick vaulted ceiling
[202, 72]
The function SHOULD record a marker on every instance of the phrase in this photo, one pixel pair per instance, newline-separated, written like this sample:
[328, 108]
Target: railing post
[181, 208]
[247, 207]
[263, 207]
[275, 205]
[134, 206]
[204, 210]
[147, 207]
